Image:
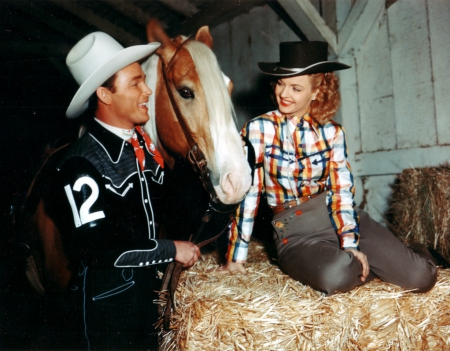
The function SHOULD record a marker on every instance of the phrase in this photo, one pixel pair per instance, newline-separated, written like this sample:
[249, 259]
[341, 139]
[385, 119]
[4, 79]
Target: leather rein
[198, 161]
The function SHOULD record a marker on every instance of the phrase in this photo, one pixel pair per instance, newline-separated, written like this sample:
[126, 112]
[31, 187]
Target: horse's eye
[186, 93]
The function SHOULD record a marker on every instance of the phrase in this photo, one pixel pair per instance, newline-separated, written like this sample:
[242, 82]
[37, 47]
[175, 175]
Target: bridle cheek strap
[195, 155]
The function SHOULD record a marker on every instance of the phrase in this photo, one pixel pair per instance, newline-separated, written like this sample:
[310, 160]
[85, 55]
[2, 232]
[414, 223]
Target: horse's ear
[156, 33]
[204, 36]
[230, 87]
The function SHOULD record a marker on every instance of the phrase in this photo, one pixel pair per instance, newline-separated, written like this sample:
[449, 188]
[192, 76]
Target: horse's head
[193, 109]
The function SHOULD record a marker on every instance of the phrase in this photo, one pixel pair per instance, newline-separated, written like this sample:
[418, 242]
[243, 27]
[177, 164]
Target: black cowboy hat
[300, 58]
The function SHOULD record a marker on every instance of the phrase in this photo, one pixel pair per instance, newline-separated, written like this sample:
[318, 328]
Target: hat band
[296, 70]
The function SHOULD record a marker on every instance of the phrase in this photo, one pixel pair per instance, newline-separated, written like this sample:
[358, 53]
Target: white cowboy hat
[93, 60]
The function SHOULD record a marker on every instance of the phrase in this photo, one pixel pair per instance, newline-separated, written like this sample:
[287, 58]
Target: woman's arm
[341, 190]
[242, 227]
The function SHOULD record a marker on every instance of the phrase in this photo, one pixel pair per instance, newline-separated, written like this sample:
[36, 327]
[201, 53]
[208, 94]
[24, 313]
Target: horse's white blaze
[229, 168]
[230, 161]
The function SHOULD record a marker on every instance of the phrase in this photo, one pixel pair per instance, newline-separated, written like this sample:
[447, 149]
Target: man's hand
[363, 260]
[230, 267]
[187, 253]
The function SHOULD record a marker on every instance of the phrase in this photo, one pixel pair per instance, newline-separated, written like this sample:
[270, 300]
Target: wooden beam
[184, 7]
[11, 49]
[101, 23]
[130, 10]
[395, 161]
[306, 17]
[356, 27]
[53, 22]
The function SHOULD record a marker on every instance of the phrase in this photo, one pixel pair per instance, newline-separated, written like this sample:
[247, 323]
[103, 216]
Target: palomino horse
[193, 120]
[193, 110]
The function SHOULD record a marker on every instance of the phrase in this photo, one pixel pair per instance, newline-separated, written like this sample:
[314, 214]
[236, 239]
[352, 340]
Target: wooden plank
[343, 8]
[348, 115]
[329, 14]
[263, 43]
[101, 23]
[439, 15]
[240, 51]
[377, 192]
[395, 161]
[221, 47]
[412, 75]
[240, 63]
[375, 91]
[358, 24]
[306, 17]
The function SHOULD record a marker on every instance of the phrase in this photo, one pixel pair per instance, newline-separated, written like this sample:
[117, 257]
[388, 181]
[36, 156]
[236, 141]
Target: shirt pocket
[314, 165]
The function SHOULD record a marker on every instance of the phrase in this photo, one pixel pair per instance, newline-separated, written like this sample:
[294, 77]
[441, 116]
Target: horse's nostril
[215, 179]
[229, 183]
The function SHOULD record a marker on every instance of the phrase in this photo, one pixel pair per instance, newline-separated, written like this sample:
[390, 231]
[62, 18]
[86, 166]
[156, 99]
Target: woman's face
[294, 95]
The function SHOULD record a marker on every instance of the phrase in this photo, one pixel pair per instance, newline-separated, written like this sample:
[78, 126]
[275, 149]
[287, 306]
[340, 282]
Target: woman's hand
[363, 260]
[230, 267]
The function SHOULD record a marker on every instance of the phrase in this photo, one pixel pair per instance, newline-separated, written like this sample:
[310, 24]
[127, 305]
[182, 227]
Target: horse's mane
[218, 101]
[150, 67]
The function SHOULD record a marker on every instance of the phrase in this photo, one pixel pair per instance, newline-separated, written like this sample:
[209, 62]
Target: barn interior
[394, 108]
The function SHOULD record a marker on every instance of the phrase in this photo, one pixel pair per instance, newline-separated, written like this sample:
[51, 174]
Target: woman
[322, 240]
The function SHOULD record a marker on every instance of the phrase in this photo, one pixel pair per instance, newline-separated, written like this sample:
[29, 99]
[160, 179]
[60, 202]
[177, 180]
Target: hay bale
[267, 310]
[420, 208]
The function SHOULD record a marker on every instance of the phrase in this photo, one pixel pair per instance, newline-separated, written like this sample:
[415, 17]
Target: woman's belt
[288, 204]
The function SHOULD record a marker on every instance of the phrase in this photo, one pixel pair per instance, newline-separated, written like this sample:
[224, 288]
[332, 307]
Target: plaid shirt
[318, 163]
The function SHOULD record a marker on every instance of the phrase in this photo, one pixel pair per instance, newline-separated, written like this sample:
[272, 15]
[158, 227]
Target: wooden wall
[396, 108]
[395, 100]
[239, 45]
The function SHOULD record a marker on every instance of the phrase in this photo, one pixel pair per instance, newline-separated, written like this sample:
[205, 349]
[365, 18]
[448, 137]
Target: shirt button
[142, 179]
[151, 222]
[145, 200]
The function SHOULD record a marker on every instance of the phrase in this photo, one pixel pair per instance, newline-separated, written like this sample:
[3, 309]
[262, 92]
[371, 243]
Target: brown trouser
[308, 251]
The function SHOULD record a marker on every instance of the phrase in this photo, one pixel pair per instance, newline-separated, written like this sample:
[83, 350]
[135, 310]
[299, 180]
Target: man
[105, 200]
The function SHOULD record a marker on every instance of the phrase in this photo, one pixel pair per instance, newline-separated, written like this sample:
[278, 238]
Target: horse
[194, 125]
[192, 122]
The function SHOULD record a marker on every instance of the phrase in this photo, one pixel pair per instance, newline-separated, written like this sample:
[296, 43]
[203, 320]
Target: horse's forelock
[217, 99]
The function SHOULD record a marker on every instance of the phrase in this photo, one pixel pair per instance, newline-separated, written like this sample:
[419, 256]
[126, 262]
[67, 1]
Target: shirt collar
[124, 134]
[306, 118]
[112, 144]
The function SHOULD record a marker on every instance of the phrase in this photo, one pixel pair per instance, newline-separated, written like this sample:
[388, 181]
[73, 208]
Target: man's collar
[112, 144]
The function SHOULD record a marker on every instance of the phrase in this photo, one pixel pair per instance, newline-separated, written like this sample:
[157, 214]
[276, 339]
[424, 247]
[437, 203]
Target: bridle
[197, 159]
[195, 155]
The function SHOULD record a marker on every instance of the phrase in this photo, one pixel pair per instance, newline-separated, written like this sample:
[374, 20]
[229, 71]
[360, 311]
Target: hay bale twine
[420, 208]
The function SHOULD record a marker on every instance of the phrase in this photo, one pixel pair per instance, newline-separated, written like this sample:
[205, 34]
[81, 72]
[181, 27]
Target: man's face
[129, 101]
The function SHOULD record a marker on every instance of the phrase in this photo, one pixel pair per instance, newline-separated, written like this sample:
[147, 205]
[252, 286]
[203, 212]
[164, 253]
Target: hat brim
[274, 69]
[115, 63]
